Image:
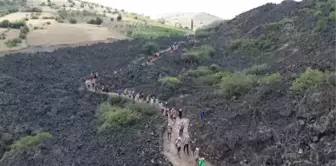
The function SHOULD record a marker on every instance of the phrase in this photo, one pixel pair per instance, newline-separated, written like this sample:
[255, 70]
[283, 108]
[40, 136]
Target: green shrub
[119, 17]
[208, 80]
[29, 141]
[34, 17]
[117, 101]
[150, 48]
[114, 117]
[308, 79]
[202, 33]
[256, 69]
[14, 25]
[200, 71]
[236, 84]
[33, 9]
[332, 16]
[73, 21]
[198, 52]
[13, 42]
[271, 79]
[170, 81]
[143, 108]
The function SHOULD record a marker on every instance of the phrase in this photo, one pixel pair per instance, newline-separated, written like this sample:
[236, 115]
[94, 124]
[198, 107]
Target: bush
[208, 80]
[34, 17]
[34, 9]
[2, 36]
[170, 81]
[200, 71]
[119, 17]
[236, 84]
[45, 18]
[96, 21]
[114, 117]
[73, 21]
[257, 69]
[308, 79]
[112, 19]
[13, 43]
[198, 52]
[14, 25]
[202, 33]
[23, 32]
[332, 16]
[143, 108]
[272, 79]
[117, 101]
[29, 141]
[150, 48]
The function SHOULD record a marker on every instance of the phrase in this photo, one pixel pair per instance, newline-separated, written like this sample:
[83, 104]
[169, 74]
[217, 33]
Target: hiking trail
[169, 149]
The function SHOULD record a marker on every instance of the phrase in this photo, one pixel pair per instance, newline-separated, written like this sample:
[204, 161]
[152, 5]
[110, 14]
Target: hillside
[265, 79]
[44, 23]
[184, 19]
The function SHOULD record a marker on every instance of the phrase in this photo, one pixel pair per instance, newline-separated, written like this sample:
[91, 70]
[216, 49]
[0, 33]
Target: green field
[156, 31]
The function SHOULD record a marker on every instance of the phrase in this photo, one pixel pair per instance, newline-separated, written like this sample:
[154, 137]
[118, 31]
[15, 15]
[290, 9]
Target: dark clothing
[201, 114]
[169, 135]
[186, 147]
[180, 114]
[178, 149]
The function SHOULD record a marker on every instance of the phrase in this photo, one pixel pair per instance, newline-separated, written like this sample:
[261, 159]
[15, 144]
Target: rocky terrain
[269, 91]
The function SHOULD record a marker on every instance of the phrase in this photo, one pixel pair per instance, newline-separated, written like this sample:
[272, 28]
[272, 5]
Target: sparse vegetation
[257, 69]
[96, 21]
[73, 21]
[13, 42]
[14, 25]
[172, 82]
[236, 85]
[309, 79]
[271, 79]
[34, 9]
[119, 17]
[150, 48]
[29, 141]
[196, 53]
[23, 32]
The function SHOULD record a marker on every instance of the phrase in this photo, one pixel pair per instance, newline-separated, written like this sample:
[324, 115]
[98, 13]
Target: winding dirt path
[169, 149]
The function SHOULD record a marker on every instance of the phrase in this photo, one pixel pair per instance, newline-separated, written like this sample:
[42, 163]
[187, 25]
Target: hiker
[169, 131]
[137, 97]
[130, 94]
[180, 113]
[201, 113]
[141, 96]
[196, 154]
[181, 127]
[171, 113]
[174, 115]
[151, 100]
[91, 76]
[178, 144]
[186, 144]
[156, 101]
[87, 83]
[125, 92]
[95, 75]
[201, 162]
[147, 99]
[133, 94]
[119, 92]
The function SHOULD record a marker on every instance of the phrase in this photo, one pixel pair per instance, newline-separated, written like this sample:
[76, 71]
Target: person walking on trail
[201, 162]
[178, 144]
[186, 144]
[91, 76]
[180, 113]
[169, 131]
[133, 94]
[181, 128]
[147, 99]
[201, 112]
[196, 154]
[95, 75]
[174, 115]
[151, 101]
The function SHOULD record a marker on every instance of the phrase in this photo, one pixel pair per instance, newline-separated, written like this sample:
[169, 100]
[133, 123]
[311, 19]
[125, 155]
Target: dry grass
[11, 34]
[58, 33]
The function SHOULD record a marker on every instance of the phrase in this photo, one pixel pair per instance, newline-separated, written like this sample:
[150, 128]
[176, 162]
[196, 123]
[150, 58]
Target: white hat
[180, 109]
[197, 148]
[179, 137]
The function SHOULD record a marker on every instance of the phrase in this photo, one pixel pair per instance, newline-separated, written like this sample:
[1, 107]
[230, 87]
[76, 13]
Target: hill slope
[268, 92]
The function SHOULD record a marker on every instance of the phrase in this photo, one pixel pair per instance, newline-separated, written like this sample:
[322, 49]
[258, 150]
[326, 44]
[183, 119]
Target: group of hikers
[172, 114]
[172, 48]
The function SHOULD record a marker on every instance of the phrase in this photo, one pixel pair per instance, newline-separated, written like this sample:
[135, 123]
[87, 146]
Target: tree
[112, 19]
[99, 21]
[73, 21]
[119, 18]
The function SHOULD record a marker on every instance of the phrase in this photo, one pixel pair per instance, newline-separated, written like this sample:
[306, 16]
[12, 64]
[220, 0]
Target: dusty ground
[59, 33]
[10, 34]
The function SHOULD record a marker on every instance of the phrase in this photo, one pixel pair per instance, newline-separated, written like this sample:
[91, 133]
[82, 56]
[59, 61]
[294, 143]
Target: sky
[155, 8]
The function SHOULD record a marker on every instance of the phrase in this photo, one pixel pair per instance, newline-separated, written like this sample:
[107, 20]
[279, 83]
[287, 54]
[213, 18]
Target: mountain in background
[184, 19]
